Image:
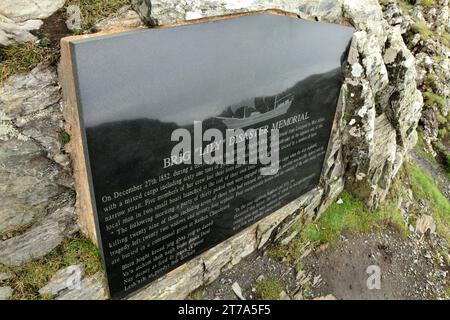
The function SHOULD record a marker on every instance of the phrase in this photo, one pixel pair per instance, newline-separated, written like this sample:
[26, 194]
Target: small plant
[196, 295]
[300, 266]
[422, 29]
[64, 138]
[427, 3]
[432, 99]
[405, 5]
[270, 288]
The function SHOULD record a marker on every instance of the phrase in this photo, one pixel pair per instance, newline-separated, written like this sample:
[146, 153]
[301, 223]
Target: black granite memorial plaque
[135, 89]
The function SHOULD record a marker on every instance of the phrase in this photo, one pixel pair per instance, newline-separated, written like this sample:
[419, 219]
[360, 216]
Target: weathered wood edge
[84, 206]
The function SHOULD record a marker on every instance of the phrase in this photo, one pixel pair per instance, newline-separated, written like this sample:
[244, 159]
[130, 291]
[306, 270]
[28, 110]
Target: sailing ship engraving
[280, 107]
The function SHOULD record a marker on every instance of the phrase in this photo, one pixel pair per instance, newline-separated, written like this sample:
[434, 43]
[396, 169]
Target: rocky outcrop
[426, 30]
[35, 180]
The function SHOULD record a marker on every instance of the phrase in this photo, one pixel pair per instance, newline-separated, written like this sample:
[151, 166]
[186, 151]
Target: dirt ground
[410, 269]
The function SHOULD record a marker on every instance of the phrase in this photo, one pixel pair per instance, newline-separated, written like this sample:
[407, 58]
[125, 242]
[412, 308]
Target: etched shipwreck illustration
[251, 116]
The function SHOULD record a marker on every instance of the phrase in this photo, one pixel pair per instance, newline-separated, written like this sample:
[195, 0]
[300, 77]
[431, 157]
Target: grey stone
[22, 10]
[237, 291]
[144, 9]
[16, 32]
[30, 120]
[5, 293]
[74, 17]
[25, 94]
[92, 288]
[68, 278]
[323, 10]
[28, 181]
[425, 223]
[4, 276]
[284, 296]
[43, 127]
[41, 238]
[123, 19]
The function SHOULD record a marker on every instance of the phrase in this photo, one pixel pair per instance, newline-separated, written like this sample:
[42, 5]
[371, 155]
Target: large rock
[28, 181]
[5, 293]
[69, 278]
[19, 17]
[12, 32]
[125, 18]
[43, 237]
[92, 288]
[25, 94]
[22, 10]
[169, 11]
[144, 8]
[30, 119]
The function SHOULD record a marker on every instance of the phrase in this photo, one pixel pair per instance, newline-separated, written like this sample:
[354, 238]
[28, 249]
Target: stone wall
[375, 127]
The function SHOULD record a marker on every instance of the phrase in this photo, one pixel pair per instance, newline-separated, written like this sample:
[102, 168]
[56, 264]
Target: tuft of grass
[405, 6]
[270, 288]
[353, 217]
[428, 3]
[433, 99]
[196, 295]
[424, 187]
[445, 39]
[64, 137]
[422, 29]
[32, 276]
[299, 266]
[24, 57]
[93, 11]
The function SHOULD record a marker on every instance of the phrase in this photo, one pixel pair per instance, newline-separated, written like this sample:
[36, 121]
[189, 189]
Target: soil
[54, 28]
[411, 268]
[246, 274]
[408, 268]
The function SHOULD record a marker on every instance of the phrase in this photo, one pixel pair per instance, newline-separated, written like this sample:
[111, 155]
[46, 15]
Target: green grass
[424, 187]
[23, 58]
[269, 289]
[196, 295]
[405, 5]
[95, 10]
[445, 39]
[432, 99]
[32, 276]
[351, 216]
[64, 137]
[428, 3]
[422, 29]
